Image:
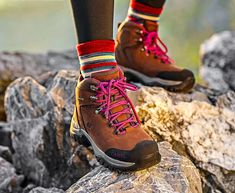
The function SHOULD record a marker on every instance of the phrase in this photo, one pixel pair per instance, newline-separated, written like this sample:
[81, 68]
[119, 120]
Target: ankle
[139, 12]
[96, 56]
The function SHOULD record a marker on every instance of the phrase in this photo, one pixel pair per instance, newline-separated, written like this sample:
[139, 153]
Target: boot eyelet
[138, 31]
[116, 132]
[147, 53]
[142, 49]
[93, 87]
[93, 98]
[81, 99]
[97, 111]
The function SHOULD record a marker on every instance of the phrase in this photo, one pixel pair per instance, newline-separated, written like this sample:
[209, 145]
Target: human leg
[103, 113]
[139, 48]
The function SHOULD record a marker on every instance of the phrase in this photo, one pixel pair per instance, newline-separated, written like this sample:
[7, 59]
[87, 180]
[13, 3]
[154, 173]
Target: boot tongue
[151, 25]
[106, 75]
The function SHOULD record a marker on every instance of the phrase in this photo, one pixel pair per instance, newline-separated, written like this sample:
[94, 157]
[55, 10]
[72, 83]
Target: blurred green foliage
[39, 26]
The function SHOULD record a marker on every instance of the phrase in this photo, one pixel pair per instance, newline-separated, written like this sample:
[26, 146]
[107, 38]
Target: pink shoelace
[151, 42]
[113, 94]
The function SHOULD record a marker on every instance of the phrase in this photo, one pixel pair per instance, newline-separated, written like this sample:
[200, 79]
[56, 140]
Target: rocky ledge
[175, 173]
[195, 131]
[199, 126]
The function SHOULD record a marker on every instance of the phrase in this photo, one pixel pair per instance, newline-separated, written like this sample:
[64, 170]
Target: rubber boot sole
[82, 137]
[172, 86]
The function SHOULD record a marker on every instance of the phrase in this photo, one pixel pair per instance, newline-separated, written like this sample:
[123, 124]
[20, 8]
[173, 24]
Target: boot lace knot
[153, 44]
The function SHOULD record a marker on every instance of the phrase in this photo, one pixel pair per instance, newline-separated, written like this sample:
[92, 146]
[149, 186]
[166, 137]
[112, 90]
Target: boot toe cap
[144, 154]
[176, 75]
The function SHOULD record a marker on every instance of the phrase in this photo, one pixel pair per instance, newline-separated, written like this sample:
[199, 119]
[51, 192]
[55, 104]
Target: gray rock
[15, 64]
[43, 190]
[40, 121]
[196, 129]
[218, 61]
[175, 173]
[227, 100]
[28, 188]
[5, 135]
[199, 125]
[62, 90]
[9, 181]
[20, 95]
[5, 153]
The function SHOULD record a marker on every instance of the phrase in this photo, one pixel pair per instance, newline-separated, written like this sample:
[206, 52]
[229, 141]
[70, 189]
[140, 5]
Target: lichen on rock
[204, 131]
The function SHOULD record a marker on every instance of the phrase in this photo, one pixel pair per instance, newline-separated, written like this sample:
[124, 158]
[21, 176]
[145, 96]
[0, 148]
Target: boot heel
[76, 131]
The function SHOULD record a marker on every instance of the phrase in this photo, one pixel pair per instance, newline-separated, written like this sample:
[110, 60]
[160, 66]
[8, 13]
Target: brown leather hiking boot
[139, 48]
[106, 117]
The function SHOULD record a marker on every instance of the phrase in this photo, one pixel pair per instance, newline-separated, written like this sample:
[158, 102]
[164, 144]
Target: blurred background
[42, 25]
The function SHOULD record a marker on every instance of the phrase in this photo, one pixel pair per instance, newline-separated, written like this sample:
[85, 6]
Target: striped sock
[139, 12]
[96, 56]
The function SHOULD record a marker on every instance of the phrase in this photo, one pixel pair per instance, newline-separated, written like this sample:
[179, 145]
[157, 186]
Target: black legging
[94, 18]
[152, 3]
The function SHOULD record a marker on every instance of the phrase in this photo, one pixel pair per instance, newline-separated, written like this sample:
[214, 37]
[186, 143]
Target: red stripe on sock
[145, 9]
[95, 46]
[90, 66]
